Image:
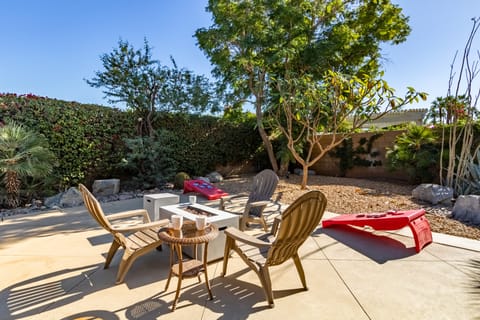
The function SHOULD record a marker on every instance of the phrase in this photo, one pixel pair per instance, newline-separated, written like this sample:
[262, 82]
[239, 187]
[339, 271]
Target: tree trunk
[268, 147]
[263, 134]
[303, 186]
[12, 187]
[282, 171]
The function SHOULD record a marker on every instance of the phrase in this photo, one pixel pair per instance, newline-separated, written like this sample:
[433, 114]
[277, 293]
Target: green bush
[415, 152]
[148, 161]
[180, 179]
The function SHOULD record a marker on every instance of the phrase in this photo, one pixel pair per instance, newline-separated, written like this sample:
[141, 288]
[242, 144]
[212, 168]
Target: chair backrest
[298, 221]
[93, 206]
[264, 185]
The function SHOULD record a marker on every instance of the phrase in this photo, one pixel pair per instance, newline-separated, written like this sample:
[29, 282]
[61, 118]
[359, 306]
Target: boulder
[71, 198]
[52, 201]
[106, 187]
[433, 193]
[215, 177]
[467, 209]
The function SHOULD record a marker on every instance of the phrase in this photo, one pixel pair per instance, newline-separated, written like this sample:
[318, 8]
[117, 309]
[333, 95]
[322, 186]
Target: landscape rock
[71, 198]
[432, 193]
[215, 177]
[467, 209]
[52, 201]
[106, 187]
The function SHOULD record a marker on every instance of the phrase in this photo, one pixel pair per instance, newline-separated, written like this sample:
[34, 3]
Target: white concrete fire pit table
[220, 218]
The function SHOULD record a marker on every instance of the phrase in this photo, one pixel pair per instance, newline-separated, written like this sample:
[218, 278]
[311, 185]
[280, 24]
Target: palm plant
[448, 109]
[23, 153]
[414, 152]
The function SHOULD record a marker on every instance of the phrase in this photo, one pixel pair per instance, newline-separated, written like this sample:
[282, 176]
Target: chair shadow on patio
[93, 314]
[379, 248]
[56, 289]
[232, 298]
[32, 296]
[153, 264]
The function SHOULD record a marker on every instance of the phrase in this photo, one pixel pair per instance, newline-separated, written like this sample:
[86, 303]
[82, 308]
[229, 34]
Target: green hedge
[202, 142]
[88, 139]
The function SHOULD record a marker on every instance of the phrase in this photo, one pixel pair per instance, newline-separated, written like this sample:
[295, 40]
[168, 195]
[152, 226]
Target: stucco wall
[329, 166]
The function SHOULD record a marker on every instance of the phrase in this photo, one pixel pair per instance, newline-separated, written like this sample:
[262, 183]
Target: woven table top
[189, 234]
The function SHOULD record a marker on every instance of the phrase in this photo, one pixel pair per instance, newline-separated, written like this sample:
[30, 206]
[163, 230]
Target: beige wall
[329, 165]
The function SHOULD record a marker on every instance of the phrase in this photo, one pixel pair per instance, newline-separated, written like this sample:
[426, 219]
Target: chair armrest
[229, 198]
[128, 214]
[233, 196]
[240, 236]
[260, 203]
[140, 226]
[276, 223]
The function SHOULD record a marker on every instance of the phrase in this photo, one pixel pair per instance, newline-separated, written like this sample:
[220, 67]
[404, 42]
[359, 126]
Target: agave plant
[23, 153]
[470, 182]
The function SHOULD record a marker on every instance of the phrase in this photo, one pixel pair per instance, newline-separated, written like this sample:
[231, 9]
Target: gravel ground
[346, 195]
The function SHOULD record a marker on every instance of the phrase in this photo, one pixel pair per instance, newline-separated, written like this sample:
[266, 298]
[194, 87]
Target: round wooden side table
[188, 236]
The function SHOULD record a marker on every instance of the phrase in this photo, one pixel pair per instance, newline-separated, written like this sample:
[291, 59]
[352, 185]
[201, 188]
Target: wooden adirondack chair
[136, 236]
[251, 206]
[298, 221]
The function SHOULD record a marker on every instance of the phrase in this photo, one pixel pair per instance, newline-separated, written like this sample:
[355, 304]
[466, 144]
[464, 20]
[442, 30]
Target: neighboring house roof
[397, 117]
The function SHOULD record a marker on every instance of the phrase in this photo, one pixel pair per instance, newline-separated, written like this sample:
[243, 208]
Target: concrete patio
[52, 268]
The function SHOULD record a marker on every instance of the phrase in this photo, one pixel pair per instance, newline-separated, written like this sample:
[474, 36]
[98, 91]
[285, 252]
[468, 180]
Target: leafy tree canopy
[310, 35]
[132, 76]
[251, 43]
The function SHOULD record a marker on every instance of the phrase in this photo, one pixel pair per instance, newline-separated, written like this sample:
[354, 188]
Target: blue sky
[49, 47]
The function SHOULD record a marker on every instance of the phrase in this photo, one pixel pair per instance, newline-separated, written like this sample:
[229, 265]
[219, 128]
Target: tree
[251, 42]
[310, 109]
[460, 137]
[23, 153]
[448, 109]
[145, 86]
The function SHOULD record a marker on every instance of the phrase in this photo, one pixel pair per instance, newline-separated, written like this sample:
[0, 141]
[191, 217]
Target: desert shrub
[148, 161]
[180, 179]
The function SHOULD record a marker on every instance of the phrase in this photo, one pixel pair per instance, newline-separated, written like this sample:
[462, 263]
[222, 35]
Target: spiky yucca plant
[22, 153]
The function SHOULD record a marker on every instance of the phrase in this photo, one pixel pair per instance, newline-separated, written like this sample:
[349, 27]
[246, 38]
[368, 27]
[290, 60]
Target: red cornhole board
[390, 220]
[204, 188]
